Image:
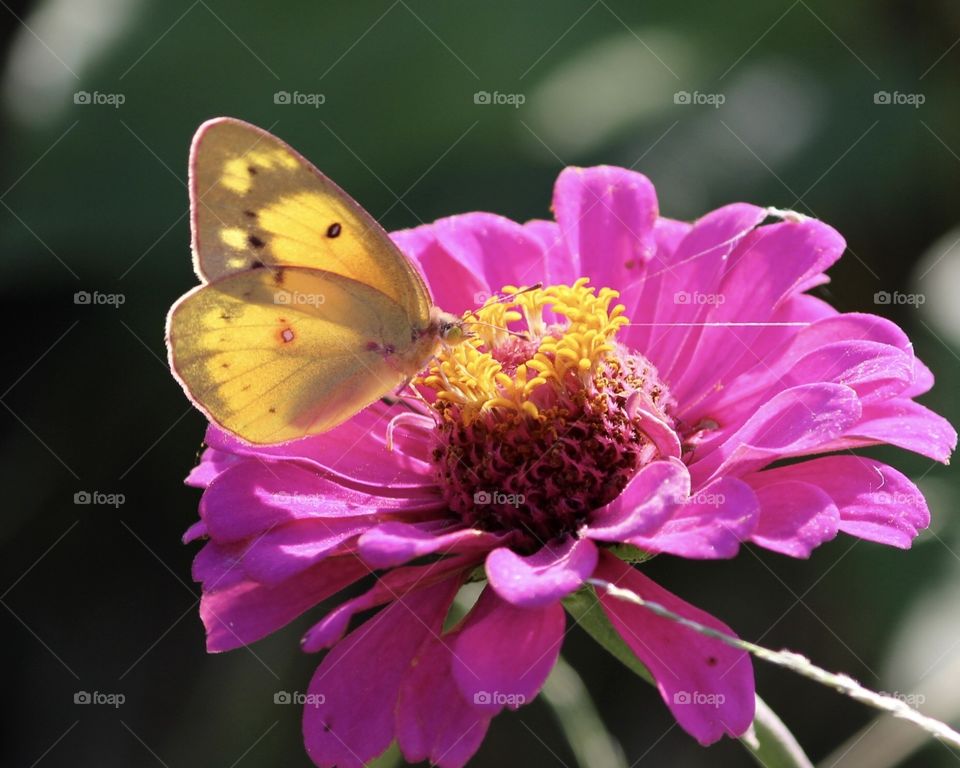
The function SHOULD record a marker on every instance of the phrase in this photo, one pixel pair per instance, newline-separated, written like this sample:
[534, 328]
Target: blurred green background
[99, 598]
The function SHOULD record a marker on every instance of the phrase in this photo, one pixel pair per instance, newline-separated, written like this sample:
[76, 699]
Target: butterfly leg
[408, 384]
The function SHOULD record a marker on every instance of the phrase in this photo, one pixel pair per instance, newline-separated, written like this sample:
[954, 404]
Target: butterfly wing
[278, 353]
[254, 200]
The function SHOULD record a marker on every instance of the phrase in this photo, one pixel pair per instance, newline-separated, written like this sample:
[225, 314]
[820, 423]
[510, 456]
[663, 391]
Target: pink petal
[196, 531]
[239, 611]
[607, 216]
[354, 454]
[560, 269]
[255, 496]
[495, 248]
[800, 356]
[922, 380]
[642, 296]
[766, 268]
[284, 551]
[736, 392]
[433, 720]
[648, 501]
[853, 326]
[668, 234]
[662, 435]
[905, 424]
[502, 654]
[710, 524]
[874, 371]
[875, 501]
[392, 544]
[550, 574]
[707, 685]
[218, 565]
[356, 687]
[212, 463]
[791, 423]
[394, 585]
[455, 287]
[795, 518]
[697, 267]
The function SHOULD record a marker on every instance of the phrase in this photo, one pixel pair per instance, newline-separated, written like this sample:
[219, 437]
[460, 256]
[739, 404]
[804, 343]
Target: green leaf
[630, 554]
[569, 700]
[585, 609]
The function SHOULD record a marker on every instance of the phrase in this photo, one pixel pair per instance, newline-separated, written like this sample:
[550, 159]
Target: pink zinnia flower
[650, 418]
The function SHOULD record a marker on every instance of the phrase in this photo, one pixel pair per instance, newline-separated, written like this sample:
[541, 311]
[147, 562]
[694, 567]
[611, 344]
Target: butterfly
[307, 312]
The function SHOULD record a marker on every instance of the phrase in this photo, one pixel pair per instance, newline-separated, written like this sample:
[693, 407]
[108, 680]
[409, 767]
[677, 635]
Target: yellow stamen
[581, 337]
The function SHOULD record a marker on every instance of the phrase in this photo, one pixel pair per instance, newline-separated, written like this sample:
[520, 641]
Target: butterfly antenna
[508, 296]
[519, 334]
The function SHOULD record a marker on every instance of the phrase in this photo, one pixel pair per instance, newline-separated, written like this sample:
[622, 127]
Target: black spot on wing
[334, 229]
[255, 242]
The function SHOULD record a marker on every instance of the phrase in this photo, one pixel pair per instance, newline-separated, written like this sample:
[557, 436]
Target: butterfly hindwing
[277, 353]
[256, 201]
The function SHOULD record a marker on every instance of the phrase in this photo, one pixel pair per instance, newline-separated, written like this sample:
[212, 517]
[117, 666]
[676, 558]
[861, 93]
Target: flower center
[543, 415]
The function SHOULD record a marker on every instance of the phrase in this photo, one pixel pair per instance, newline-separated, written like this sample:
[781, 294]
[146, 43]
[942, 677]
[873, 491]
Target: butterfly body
[307, 312]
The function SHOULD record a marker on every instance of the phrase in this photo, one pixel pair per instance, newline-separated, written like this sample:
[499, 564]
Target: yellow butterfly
[308, 312]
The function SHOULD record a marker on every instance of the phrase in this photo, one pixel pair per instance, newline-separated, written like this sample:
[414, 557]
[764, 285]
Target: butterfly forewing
[308, 312]
[255, 201]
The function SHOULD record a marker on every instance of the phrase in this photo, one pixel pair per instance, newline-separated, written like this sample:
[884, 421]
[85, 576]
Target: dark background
[92, 198]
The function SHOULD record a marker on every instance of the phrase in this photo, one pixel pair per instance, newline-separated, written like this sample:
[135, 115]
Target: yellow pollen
[504, 365]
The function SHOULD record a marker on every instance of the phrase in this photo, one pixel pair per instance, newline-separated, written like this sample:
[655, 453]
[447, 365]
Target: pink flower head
[645, 407]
